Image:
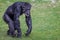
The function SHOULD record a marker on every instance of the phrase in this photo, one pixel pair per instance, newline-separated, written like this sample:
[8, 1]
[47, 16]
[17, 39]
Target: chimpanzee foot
[11, 33]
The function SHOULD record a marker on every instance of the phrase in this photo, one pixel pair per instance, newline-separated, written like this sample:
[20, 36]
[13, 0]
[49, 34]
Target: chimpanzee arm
[16, 13]
[28, 22]
[16, 21]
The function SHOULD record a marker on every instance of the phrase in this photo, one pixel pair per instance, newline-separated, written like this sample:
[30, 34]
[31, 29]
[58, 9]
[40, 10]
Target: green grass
[45, 21]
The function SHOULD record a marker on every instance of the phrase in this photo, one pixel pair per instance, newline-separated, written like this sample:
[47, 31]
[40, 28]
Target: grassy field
[45, 21]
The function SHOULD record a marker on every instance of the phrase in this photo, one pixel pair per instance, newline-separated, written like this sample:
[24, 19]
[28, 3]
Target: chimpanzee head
[26, 8]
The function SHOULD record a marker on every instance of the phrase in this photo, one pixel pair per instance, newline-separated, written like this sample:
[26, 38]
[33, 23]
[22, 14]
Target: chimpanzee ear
[27, 5]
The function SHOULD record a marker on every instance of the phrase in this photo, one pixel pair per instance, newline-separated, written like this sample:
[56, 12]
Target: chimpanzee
[11, 17]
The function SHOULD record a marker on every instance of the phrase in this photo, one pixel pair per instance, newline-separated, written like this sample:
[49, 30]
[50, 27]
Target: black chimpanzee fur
[11, 17]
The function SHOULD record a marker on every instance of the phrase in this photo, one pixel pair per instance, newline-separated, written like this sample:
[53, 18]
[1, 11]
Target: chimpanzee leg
[10, 23]
[29, 24]
[11, 28]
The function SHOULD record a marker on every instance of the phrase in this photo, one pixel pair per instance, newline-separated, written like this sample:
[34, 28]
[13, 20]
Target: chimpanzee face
[26, 11]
